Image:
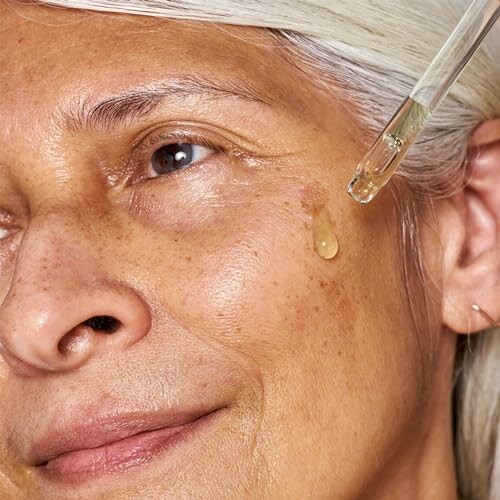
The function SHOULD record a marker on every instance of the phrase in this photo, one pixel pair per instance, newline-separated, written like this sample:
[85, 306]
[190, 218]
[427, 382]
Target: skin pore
[221, 301]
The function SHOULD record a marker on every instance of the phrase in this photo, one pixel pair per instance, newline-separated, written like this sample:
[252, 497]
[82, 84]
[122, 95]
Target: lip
[92, 447]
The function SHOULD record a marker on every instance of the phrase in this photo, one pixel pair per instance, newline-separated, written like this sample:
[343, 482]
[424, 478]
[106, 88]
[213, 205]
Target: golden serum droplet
[325, 241]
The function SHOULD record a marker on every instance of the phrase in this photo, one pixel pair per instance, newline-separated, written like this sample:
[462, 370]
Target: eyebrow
[138, 103]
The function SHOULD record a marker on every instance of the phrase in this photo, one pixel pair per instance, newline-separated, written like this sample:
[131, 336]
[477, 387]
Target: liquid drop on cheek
[326, 244]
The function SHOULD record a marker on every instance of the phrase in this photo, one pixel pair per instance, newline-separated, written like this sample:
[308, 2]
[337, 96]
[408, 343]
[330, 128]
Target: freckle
[316, 308]
[312, 197]
[220, 314]
[255, 253]
[323, 284]
[188, 258]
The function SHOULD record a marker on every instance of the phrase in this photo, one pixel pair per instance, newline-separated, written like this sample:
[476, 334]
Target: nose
[64, 308]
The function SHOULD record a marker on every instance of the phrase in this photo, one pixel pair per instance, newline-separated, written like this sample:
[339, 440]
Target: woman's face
[165, 175]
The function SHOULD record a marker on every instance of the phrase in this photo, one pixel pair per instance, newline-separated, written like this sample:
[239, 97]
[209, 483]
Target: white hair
[373, 52]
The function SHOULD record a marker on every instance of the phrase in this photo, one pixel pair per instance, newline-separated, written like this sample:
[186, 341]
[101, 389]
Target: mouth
[96, 448]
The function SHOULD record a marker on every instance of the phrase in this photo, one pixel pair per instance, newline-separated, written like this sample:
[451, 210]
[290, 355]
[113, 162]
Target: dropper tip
[361, 190]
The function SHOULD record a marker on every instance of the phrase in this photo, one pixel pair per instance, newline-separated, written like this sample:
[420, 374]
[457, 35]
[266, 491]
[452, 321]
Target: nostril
[105, 324]
[79, 339]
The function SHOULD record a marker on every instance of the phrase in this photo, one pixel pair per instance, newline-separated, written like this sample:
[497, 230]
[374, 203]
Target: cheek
[246, 271]
[240, 269]
[228, 249]
[236, 267]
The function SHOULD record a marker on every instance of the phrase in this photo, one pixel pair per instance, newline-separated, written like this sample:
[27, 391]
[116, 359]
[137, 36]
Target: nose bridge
[61, 282]
[54, 253]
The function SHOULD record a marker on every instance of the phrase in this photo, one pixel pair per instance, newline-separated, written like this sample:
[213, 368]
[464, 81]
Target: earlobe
[472, 274]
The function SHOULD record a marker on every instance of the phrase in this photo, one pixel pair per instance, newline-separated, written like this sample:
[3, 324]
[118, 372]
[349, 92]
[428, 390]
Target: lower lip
[120, 456]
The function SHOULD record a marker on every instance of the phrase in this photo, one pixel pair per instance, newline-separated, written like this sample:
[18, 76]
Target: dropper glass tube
[382, 160]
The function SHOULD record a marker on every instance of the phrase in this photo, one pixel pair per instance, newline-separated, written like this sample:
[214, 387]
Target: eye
[172, 157]
[5, 233]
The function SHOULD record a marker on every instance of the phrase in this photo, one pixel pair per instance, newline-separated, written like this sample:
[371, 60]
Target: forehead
[49, 54]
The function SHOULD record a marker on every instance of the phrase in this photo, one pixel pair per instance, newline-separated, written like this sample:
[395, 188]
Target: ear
[470, 233]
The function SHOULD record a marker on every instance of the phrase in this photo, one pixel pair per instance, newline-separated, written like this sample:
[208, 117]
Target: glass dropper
[382, 160]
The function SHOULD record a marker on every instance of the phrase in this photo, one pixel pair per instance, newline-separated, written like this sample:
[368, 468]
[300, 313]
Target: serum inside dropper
[381, 162]
[376, 169]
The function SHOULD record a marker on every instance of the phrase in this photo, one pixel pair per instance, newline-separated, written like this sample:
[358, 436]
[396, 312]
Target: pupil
[172, 157]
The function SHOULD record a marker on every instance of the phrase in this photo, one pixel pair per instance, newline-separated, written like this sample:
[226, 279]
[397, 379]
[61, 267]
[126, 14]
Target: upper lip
[89, 430]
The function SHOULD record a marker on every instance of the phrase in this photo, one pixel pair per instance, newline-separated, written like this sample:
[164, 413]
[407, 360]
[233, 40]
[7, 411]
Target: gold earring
[485, 315]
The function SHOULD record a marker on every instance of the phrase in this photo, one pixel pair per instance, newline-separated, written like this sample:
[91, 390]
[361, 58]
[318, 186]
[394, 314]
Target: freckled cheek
[249, 289]
[238, 259]
[247, 281]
